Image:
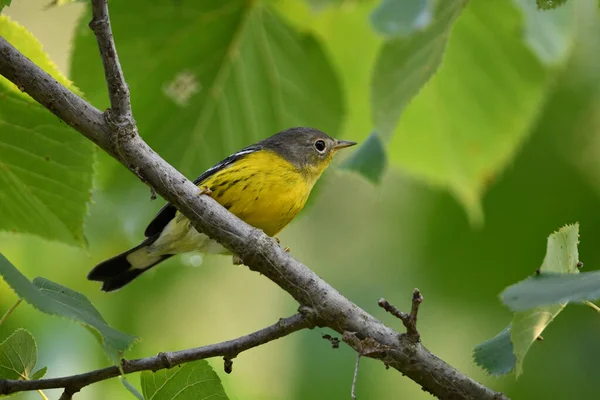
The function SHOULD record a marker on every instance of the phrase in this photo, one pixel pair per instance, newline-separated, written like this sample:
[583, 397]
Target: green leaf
[547, 289]
[561, 257]
[54, 299]
[496, 354]
[464, 127]
[191, 381]
[404, 65]
[246, 75]
[401, 18]
[549, 34]
[549, 4]
[18, 355]
[39, 374]
[45, 166]
[4, 3]
[369, 160]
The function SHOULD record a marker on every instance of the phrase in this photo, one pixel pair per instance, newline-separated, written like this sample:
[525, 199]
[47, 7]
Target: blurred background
[499, 149]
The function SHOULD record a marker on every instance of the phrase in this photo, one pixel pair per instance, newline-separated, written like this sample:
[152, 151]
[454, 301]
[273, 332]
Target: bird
[265, 184]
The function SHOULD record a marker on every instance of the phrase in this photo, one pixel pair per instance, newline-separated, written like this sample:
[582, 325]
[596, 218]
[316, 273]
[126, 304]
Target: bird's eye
[320, 145]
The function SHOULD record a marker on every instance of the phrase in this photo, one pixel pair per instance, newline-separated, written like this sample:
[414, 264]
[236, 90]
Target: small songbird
[266, 185]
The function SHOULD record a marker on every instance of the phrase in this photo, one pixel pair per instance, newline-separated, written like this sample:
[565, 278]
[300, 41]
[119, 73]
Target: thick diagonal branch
[229, 349]
[257, 250]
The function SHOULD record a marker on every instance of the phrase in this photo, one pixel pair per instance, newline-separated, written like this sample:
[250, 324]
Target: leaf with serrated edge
[190, 381]
[496, 355]
[54, 299]
[197, 101]
[548, 289]
[561, 257]
[18, 355]
[39, 374]
[45, 166]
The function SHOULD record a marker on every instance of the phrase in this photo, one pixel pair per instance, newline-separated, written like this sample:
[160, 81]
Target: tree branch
[257, 250]
[229, 350]
[118, 91]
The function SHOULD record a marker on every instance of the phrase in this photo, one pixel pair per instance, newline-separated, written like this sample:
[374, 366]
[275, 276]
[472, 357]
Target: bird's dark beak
[340, 144]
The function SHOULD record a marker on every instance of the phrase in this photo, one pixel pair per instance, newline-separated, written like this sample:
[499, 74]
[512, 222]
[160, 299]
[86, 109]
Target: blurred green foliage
[502, 114]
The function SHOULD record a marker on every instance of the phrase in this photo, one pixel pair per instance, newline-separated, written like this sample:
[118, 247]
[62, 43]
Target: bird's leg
[286, 249]
[204, 190]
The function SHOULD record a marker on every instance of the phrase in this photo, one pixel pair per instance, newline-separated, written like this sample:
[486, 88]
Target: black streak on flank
[246, 186]
[232, 183]
[228, 205]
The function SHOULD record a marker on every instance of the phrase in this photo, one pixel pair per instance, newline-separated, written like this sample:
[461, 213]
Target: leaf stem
[592, 305]
[10, 310]
[42, 394]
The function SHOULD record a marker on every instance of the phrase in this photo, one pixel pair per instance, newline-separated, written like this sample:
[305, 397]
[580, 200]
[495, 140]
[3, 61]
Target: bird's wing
[167, 213]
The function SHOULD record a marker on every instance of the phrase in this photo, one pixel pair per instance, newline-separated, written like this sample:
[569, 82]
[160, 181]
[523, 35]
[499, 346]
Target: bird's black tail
[118, 271]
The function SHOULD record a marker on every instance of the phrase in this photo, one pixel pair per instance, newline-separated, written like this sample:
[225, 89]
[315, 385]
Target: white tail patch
[142, 259]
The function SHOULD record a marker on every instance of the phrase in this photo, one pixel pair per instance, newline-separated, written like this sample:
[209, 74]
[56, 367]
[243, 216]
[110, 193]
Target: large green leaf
[211, 76]
[45, 166]
[54, 299]
[405, 64]
[18, 356]
[191, 381]
[4, 3]
[466, 124]
[562, 256]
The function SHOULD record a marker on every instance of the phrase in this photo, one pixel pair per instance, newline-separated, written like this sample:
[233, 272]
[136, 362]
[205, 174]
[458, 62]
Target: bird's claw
[204, 190]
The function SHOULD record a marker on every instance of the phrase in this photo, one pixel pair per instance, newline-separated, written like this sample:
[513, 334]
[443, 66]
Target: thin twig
[408, 320]
[229, 349]
[352, 394]
[118, 91]
[9, 311]
[43, 395]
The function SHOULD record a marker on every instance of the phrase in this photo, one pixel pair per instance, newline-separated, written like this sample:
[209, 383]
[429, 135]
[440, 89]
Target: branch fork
[408, 320]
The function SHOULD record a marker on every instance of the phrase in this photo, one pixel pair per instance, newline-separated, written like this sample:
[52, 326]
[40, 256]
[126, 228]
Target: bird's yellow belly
[262, 190]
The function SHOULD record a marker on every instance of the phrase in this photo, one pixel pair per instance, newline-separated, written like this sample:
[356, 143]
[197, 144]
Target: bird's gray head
[308, 149]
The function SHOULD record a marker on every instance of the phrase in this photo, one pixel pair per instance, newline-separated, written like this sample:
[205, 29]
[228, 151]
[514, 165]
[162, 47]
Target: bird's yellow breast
[262, 189]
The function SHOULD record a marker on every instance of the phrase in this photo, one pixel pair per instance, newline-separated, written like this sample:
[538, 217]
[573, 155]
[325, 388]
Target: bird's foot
[204, 190]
